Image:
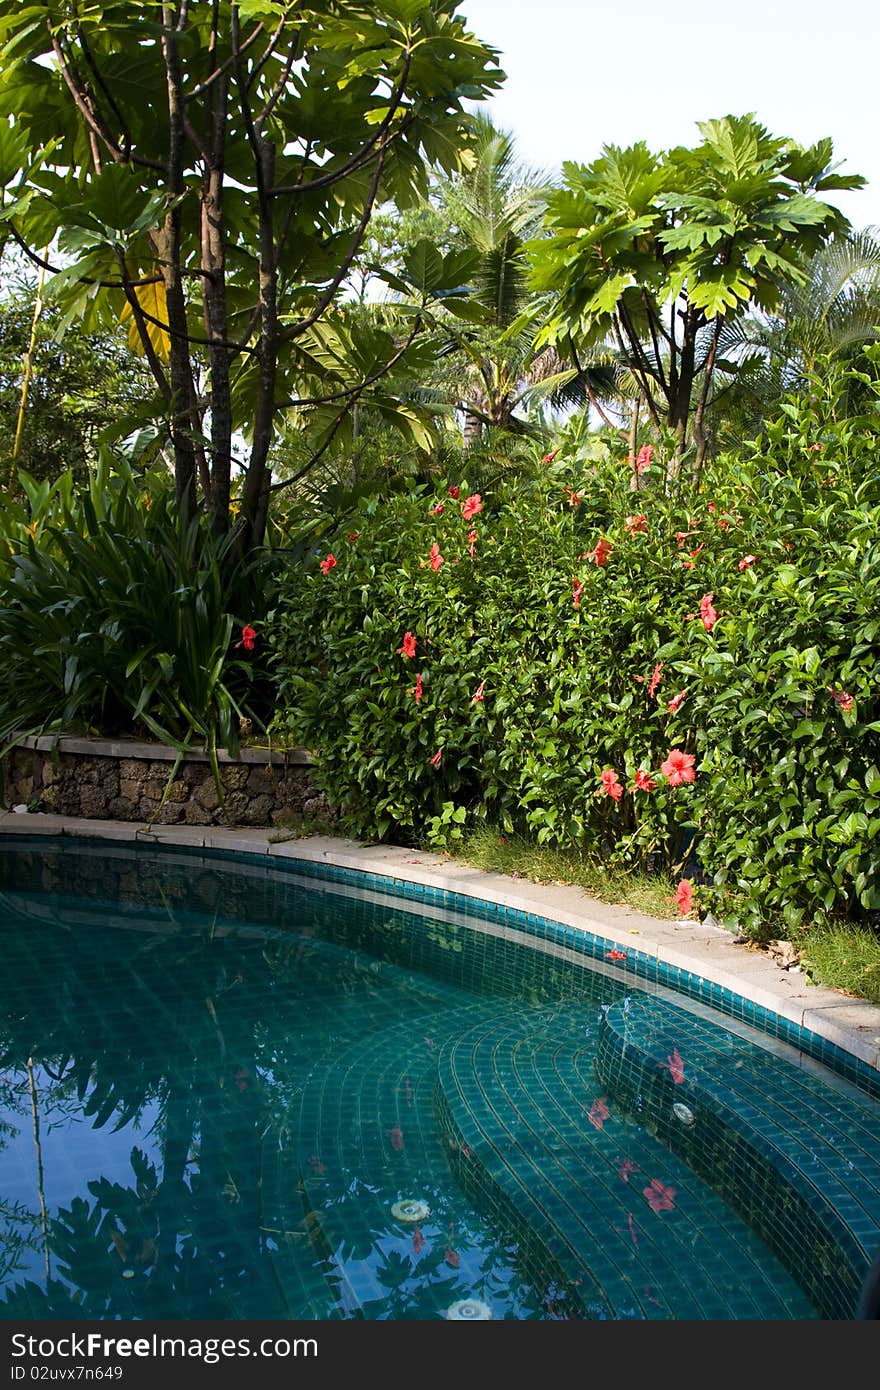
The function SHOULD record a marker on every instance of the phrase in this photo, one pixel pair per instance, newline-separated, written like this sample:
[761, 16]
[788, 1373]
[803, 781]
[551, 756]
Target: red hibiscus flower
[634, 524]
[684, 897]
[600, 555]
[328, 563]
[453, 493]
[472, 542]
[610, 785]
[676, 1066]
[599, 1113]
[678, 767]
[471, 506]
[437, 511]
[656, 678]
[436, 558]
[352, 535]
[677, 700]
[746, 562]
[248, 638]
[417, 688]
[711, 508]
[842, 698]
[815, 448]
[409, 644]
[435, 761]
[479, 694]
[660, 1198]
[627, 1166]
[707, 612]
[644, 783]
[646, 454]
[577, 589]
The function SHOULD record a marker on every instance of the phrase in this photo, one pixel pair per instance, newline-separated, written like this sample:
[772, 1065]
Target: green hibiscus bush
[682, 680]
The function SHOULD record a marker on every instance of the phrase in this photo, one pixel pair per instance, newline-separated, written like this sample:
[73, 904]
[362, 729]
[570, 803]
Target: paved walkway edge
[705, 951]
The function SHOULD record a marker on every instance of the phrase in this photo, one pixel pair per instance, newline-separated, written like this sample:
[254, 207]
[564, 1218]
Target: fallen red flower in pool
[452, 1257]
[395, 1134]
[599, 1113]
[316, 1165]
[632, 1230]
[676, 1066]
[615, 954]
[328, 563]
[627, 1166]
[418, 1241]
[660, 1198]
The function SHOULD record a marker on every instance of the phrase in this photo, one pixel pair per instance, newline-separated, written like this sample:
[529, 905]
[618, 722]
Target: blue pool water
[228, 1090]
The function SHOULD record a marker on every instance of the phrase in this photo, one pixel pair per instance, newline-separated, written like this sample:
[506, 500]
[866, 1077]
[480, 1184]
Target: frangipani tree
[207, 173]
[657, 253]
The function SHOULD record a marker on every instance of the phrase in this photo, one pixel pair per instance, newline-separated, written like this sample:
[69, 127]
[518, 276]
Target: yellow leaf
[151, 299]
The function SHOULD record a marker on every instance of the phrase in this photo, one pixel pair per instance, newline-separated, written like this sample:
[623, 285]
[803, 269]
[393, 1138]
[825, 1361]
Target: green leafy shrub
[579, 640]
[115, 617]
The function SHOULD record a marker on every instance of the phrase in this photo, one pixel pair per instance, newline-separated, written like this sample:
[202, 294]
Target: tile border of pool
[700, 961]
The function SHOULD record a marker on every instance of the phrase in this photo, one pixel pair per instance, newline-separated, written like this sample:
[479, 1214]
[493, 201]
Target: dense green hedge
[532, 663]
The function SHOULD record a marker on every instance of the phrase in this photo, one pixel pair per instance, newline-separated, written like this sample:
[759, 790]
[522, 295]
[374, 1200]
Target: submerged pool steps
[796, 1152]
[615, 1208]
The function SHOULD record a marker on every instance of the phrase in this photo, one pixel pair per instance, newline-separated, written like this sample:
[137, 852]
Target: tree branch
[363, 155]
[296, 329]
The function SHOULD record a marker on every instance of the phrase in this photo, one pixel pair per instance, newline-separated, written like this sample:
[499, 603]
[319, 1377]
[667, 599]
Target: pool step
[794, 1149]
[367, 1139]
[619, 1213]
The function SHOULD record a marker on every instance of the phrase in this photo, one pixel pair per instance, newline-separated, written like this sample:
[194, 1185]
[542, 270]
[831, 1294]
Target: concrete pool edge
[703, 951]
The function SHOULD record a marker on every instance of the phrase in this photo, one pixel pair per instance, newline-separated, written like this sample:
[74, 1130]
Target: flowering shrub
[704, 672]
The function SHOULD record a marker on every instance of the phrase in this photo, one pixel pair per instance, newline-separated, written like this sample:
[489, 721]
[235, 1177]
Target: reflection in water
[205, 1115]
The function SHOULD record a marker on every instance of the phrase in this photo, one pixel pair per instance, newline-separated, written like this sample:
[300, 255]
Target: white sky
[581, 75]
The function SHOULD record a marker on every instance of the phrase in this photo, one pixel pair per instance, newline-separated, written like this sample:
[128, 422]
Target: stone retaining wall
[100, 779]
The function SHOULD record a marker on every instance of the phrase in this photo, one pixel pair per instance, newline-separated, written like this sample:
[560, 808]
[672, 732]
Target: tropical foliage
[206, 174]
[692, 685]
[113, 617]
[662, 253]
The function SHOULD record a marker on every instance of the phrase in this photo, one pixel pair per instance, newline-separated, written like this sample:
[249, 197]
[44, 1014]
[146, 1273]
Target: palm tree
[495, 208]
[823, 321]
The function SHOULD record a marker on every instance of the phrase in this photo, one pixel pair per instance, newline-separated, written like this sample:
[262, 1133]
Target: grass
[844, 957]
[509, 854]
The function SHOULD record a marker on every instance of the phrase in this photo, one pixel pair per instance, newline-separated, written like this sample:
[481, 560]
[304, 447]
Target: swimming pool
[233, 1089]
